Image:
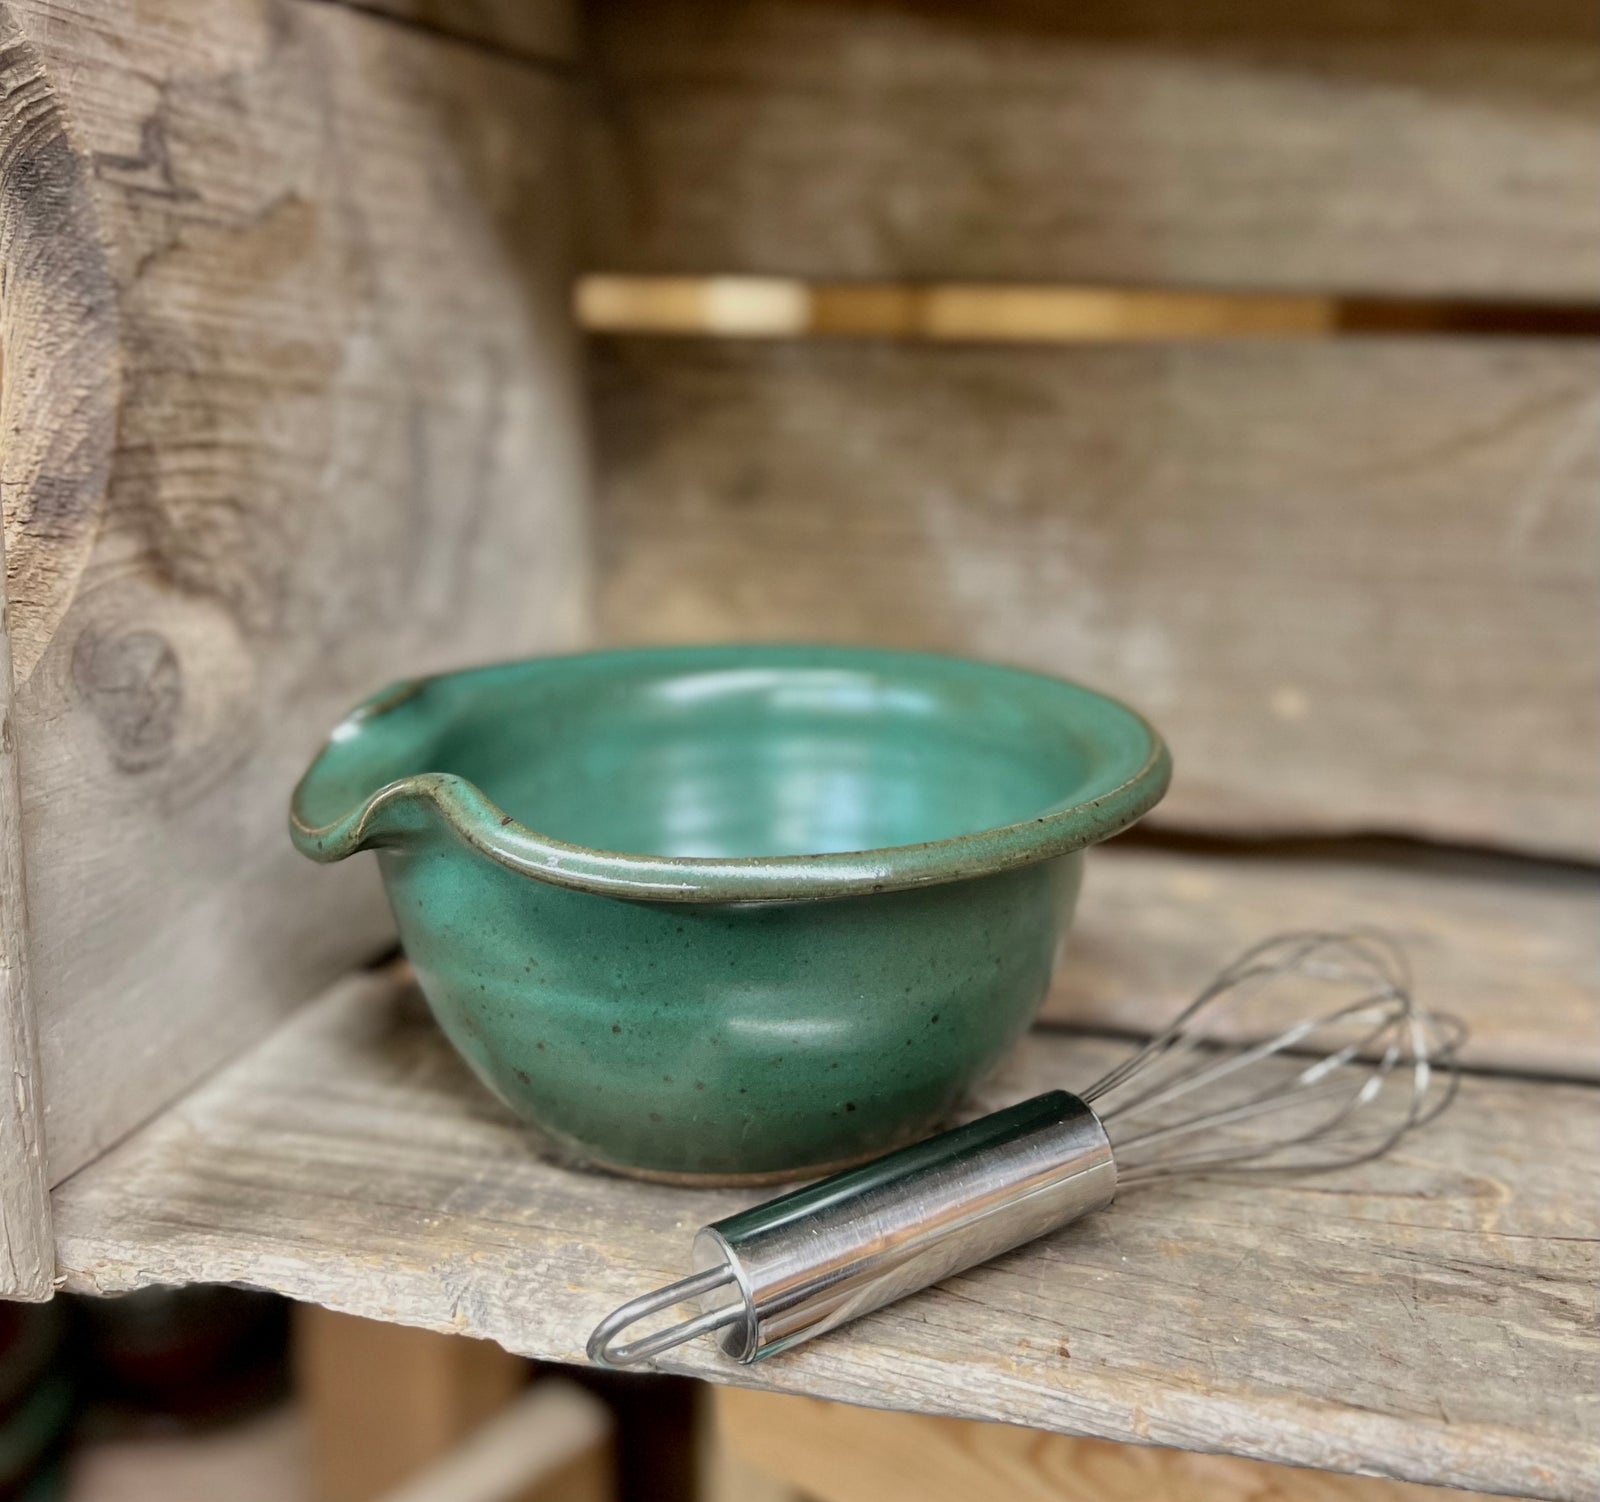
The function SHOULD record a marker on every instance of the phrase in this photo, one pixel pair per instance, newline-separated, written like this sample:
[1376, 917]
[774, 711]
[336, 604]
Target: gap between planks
[770, 307]
[1509, 946]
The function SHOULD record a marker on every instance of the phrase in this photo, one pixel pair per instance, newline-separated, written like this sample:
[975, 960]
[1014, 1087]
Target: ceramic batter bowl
[731, 913]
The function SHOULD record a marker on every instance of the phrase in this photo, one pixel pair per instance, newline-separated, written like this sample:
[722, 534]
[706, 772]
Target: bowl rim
[490, 830]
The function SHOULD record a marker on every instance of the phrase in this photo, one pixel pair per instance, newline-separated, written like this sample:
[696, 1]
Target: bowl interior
[744, 752]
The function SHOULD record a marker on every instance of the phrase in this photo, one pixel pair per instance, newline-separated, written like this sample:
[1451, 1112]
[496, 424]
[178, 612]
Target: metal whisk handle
[816, 1258]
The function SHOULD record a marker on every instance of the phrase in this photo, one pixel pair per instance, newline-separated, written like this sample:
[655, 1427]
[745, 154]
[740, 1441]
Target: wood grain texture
[832, 1452]
[1351, 581]
[536, 31]
[1329, 147]
[1513, 949]
[1428, 1318]
[27, 1249]
[347, 447]
[58, 339]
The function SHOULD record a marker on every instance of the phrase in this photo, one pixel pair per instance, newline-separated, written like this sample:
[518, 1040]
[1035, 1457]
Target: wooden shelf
[1430, 1317]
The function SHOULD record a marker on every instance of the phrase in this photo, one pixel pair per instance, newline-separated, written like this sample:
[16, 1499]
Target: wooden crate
[1238, 358]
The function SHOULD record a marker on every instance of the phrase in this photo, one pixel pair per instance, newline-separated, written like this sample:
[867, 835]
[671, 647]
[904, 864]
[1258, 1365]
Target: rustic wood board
[1352, 581]
[327, 367]
[1427, 1318]
[1511, 948]
[27, 1249]
[1329, 147]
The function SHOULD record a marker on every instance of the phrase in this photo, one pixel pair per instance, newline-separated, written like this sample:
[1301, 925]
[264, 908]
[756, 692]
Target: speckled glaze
[731, 913]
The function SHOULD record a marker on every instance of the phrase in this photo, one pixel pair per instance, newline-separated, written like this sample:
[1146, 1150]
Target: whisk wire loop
[1359, 1048]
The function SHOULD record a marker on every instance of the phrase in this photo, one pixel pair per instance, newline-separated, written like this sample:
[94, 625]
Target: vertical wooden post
[27, 1252]
[726, 1475]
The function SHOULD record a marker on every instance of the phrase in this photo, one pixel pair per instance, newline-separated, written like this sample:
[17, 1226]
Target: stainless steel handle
[816, 1258]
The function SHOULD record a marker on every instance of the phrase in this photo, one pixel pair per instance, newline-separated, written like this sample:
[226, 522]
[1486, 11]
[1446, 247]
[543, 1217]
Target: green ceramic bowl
[731, 913]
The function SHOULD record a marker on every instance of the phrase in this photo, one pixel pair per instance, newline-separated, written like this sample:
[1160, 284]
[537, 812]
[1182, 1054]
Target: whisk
[1324, 1088]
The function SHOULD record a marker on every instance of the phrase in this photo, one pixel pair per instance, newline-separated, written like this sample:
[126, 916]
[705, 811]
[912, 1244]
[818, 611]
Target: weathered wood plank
[58, 338]
[1428, 1318]
[347, 447]
[1513, 949]
[27, 1249]
[1351, 580]
[1330, 147]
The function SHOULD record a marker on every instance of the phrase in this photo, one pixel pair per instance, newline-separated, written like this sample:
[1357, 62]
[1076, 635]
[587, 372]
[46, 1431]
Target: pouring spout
[373, 781]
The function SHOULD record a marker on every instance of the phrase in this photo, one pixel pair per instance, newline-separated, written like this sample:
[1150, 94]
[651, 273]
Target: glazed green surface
[729, 1039]
[729, 911]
